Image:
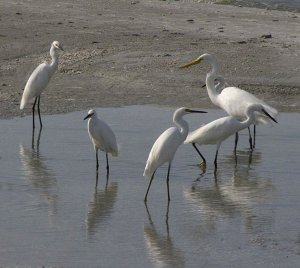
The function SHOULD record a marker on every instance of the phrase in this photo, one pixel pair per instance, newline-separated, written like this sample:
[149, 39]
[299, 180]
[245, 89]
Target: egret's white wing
[163, 150]
[36, 83]
[103, 137]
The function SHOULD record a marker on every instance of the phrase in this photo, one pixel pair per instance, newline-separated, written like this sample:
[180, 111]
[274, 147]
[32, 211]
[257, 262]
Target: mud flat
[128, 52]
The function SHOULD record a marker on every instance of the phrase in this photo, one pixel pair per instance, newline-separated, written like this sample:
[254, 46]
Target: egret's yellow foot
[202, 165]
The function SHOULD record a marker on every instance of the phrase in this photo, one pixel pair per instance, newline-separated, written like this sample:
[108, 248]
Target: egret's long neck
[91, 122]
[93, 119]
[250, 119]
[182, 124]
[54, 62]
[210, 83]
[220, 85]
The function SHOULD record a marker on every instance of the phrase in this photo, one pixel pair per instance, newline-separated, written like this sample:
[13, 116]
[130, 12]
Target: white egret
[219, 83]
[233, 100]
[165, 147]
[219, 130]
[102, 137]
[39, 79]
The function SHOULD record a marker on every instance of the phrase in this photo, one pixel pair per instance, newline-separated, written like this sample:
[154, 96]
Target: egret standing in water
[219, 130]
[165, 147]
[233, 100]
[102, 137]
[38, 81]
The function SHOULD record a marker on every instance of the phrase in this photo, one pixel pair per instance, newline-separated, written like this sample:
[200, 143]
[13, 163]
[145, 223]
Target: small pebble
[266, 36]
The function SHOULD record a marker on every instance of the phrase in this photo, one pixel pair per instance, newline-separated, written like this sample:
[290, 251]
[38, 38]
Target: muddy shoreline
[128, 52]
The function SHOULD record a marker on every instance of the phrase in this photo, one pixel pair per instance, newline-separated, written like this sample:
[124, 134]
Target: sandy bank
[128, 52]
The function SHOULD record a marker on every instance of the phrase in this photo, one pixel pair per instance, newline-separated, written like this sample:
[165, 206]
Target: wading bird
[102, 137]
[233, 100]
[165, 147]
[38, 81]
[219, 130]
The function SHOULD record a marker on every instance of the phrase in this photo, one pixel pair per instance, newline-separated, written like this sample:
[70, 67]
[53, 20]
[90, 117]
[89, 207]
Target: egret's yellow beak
[196, 61]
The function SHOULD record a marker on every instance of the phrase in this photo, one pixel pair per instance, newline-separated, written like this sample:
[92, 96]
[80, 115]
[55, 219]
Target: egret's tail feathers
[189, 138]
[148, 171]
[116, 150]
[113, 150]
[186, 141]
[192, 135]
[23, 103]
[114, 153]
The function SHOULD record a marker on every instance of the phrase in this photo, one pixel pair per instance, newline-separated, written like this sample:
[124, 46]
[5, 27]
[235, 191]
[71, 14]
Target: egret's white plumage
[219, 130]
[165, 147]
[220, 83]
[233, 100]
[40, 78]
[102, 136]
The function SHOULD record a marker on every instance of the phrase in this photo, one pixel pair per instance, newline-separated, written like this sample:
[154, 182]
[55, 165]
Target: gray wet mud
[245, 215]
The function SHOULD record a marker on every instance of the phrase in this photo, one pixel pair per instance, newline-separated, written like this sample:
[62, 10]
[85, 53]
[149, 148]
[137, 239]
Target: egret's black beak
[195, 111]
[265, 112]
[88, 116]
[203, 86]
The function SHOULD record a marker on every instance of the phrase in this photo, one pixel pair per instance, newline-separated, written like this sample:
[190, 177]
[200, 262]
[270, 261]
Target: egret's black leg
[148, 213]
[97, 175]
[216, 158]
[107, 165]
[250, 158]
[194, 145]
[167, 219]
[203, 164]
[236, 140]
[216, 176]
[32, 139]
[168, 175]
[145, 199]
[254, 135]
[33, 109]
[38, 141]
[97, 162]
[250, 139]
[235, 159]
[39, 112]
[107, 177]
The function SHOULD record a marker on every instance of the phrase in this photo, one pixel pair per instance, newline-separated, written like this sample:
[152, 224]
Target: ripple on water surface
[53, 215]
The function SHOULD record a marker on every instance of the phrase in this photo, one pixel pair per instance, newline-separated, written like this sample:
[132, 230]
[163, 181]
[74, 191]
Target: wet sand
[128, 52]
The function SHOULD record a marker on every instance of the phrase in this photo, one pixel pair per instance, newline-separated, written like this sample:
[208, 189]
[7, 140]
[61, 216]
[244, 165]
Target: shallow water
[280, 3]
[288, 5]
[51, 213]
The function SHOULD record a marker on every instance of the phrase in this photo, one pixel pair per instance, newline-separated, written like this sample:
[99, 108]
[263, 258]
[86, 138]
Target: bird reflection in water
[243, 157]
[160, 247]
[39, 175]
[230, 194]
[37, 147]
[101, 206]
[237, 158]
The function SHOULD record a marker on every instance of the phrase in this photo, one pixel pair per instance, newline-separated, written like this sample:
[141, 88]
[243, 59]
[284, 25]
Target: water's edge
[274, 5]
